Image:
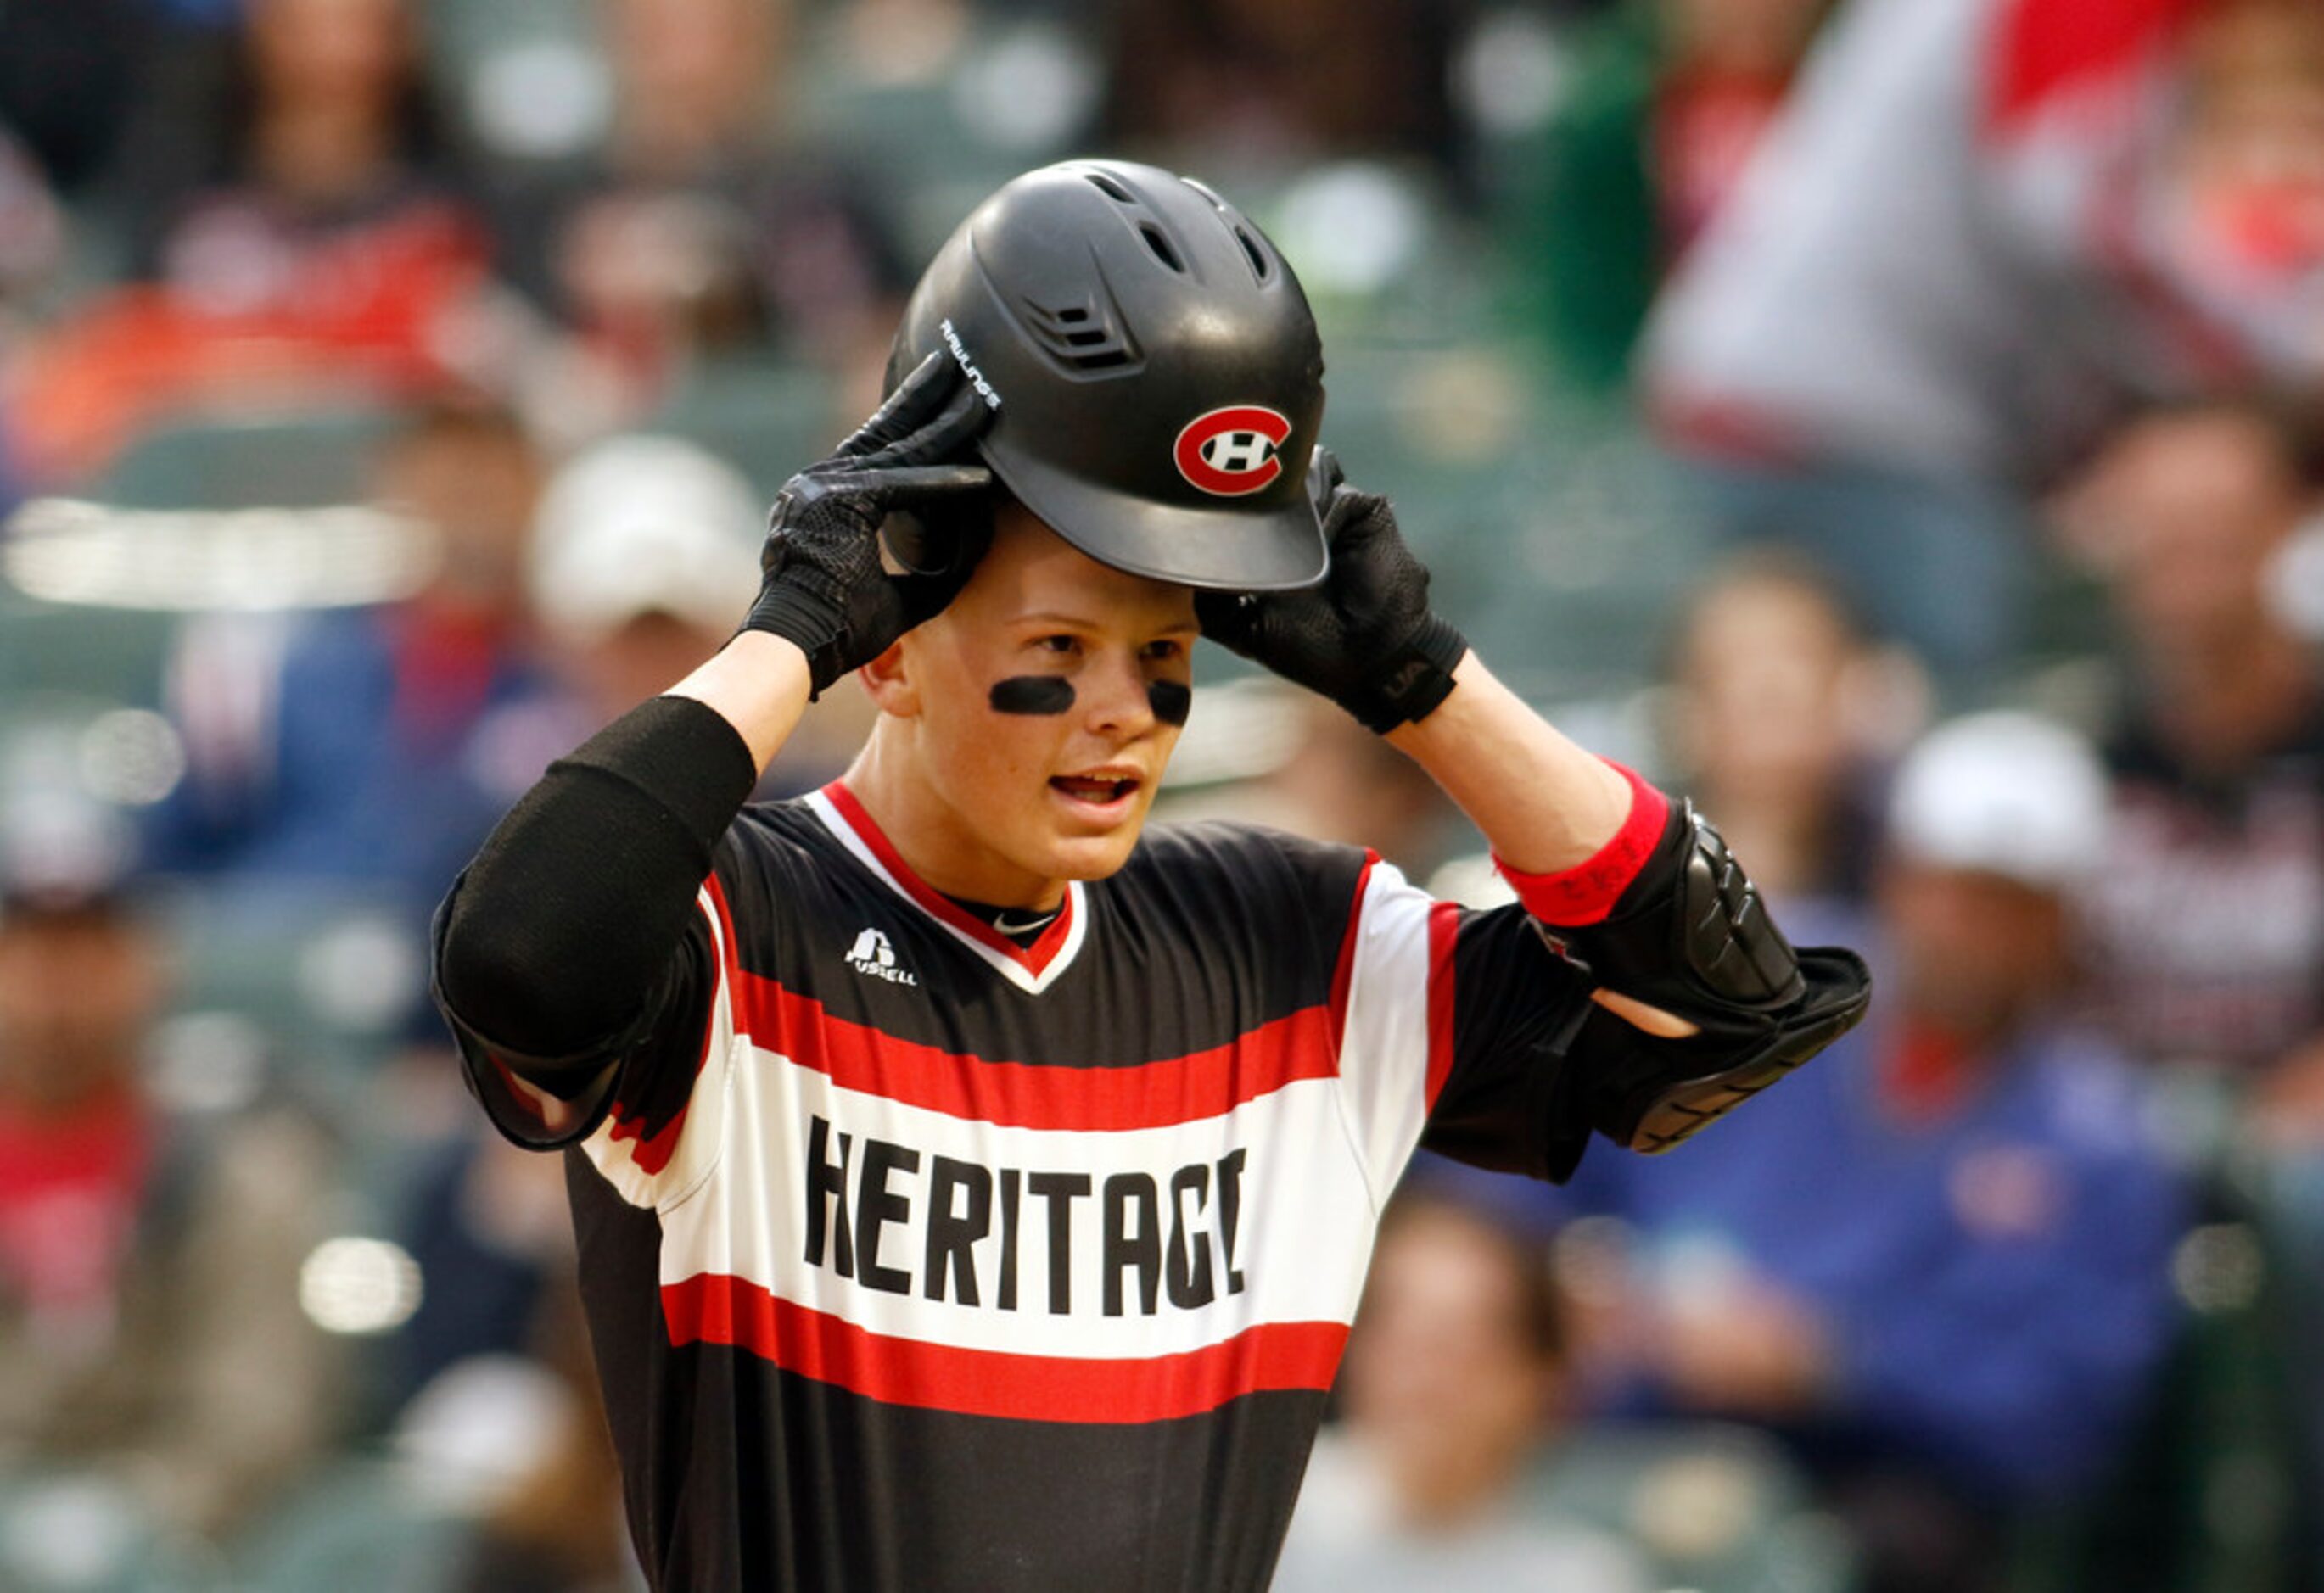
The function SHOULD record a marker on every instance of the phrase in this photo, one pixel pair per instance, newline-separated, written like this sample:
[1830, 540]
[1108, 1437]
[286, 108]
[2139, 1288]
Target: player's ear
[890, 682]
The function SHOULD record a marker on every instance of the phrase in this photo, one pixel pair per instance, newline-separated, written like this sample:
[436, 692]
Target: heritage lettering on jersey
[1170, 1238]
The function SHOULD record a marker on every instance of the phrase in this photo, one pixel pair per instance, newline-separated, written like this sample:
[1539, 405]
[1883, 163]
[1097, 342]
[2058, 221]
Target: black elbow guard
[537, 1102]
[1690, 937]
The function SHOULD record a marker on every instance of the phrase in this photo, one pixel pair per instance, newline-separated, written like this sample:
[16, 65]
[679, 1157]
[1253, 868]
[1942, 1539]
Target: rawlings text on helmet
[1232, 451]
[968, 366]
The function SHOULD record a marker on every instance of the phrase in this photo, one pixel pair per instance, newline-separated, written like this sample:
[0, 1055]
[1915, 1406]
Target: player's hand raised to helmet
[1364, 637]
[823, 586]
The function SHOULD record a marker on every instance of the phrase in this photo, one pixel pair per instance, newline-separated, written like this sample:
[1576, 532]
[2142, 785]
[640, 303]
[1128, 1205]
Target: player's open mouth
[1098, 790]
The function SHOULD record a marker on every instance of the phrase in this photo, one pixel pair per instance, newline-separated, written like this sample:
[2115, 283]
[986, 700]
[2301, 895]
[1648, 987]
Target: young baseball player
[974, 1191]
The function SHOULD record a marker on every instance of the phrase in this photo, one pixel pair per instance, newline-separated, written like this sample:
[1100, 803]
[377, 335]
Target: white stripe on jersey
[1384, 1050]
[1302, 1233]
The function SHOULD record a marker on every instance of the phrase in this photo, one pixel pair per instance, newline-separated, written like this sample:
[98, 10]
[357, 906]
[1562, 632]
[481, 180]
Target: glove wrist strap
[805, 620]
[1409, 683]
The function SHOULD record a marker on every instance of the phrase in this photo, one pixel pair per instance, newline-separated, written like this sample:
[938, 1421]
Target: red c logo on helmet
[1232, 451]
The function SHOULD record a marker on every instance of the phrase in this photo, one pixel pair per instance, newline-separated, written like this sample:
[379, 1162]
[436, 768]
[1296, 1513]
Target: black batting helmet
[1154, 368]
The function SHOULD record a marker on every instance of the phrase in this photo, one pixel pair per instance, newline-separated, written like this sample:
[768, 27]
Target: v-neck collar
[1031, 969]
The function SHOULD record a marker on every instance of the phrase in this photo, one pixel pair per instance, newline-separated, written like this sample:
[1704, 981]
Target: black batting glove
[1364, 637]
[823, 586]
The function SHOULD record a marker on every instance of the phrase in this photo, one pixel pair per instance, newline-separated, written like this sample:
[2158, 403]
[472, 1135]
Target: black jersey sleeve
[1510, 1098]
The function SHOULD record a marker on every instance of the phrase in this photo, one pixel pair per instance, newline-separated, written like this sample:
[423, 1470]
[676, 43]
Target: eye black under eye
[1032, 694]
[1171, 701]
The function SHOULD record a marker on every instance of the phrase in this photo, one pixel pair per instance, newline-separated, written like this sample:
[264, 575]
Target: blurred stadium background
[388, 392]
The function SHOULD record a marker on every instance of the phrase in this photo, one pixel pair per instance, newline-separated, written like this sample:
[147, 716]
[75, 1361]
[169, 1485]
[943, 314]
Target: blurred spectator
[1982, 226]
[1776, 701]
[1451, 1399]
[152, 1331]
[1263, 90]
[293, 227]
[703, 224]
[1670, 98]
[1937, 1260]
[2206, 927]
[645, 554]
[377, 746]
[2207, 921]
[311, 118]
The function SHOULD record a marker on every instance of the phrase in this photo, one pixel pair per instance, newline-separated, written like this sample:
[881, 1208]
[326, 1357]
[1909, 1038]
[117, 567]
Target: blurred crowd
[1896, 424]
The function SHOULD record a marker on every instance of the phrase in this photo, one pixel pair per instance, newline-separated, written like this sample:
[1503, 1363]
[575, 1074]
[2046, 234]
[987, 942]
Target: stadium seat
[767, 417]
[357, 1528]
[1714, 1509]
[1014, 95]
[287, 461]
[61, 1533]
[117, 654]
[1547, 526]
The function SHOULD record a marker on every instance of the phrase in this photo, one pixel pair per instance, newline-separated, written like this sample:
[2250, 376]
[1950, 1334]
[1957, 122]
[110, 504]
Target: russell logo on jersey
[873, 956]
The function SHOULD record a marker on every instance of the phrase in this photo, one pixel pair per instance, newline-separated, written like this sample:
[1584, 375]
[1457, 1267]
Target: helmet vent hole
[1160, 246]
[1254, 253]
[1109, 188]
[1082, 337]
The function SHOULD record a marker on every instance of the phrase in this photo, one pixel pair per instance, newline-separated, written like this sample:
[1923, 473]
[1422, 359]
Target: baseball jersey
[916, 1256]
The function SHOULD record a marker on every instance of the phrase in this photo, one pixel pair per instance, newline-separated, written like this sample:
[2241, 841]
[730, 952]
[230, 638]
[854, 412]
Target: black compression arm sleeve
[571, 910]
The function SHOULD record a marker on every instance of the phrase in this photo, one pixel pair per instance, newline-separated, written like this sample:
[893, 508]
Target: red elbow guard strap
[1587, 892]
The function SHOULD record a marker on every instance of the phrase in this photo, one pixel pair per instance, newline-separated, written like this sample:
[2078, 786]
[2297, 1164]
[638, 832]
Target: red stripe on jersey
[712, 1308]
[654, 1150]
[1343, 971]
[1035, 958]
[1443, 931]
[1035, 1095]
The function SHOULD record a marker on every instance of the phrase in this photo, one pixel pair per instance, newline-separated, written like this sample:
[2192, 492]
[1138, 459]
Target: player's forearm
[1545, 804]
[757, 683]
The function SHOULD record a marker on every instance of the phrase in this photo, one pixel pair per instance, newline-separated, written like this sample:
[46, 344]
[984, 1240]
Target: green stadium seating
[1713, 1509]
[359, 1527]
[276, 461]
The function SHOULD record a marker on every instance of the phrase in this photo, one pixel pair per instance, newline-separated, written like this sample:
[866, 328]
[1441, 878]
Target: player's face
[1042, 705]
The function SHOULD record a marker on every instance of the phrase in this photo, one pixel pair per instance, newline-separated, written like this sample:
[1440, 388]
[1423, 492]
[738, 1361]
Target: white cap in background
[639, 525]
[2002, 793]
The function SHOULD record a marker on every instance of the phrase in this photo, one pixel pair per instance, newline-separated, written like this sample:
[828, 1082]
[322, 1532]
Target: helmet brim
[1223, 549]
